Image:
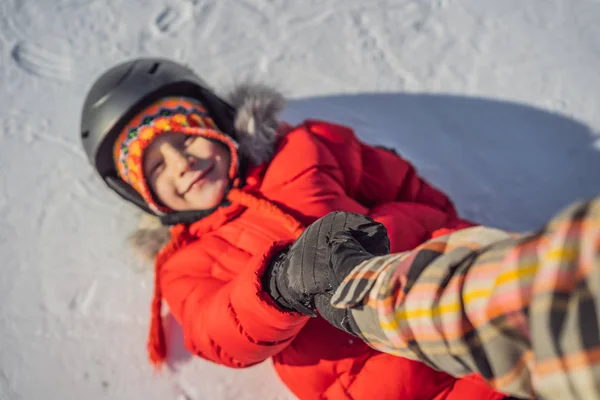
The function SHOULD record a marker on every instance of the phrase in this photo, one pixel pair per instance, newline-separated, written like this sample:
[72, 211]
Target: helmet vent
[85, 134]
[153, 68]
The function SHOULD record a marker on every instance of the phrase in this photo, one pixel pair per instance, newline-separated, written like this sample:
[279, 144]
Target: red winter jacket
[210, 276]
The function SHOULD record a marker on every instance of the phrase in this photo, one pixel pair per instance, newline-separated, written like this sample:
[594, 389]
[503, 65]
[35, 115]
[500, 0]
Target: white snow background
[496, 102]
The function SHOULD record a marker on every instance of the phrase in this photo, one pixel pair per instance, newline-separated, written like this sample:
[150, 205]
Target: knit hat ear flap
[168, 115]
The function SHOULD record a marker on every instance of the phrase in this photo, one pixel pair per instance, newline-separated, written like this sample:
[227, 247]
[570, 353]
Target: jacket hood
[257, 132]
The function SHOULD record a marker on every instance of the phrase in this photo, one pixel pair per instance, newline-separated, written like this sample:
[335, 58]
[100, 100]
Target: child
[237, 188]
[519, 309]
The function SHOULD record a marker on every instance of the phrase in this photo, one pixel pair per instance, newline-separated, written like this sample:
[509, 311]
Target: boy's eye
[189, 140]
[156, 168]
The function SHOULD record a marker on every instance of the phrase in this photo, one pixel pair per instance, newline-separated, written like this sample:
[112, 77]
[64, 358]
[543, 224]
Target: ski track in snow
[81, 302]
[172, 17]
[74, 301]
[42, 62]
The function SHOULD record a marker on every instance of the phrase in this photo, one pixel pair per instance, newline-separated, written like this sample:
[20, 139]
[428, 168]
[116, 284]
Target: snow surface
[496, 102]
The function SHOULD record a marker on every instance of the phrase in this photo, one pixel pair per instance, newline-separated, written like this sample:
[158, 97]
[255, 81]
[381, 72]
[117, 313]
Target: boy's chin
[202, 201]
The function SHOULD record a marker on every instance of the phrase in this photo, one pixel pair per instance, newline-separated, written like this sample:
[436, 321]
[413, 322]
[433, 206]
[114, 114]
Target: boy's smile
[196, 178]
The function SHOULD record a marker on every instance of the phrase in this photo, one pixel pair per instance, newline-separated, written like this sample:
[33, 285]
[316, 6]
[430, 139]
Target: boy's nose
[178, 160]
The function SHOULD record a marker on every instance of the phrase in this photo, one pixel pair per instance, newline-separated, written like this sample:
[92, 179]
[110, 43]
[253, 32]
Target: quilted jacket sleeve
[231, 323]
[376, 175]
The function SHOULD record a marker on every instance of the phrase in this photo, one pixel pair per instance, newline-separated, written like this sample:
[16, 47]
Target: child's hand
[322, 257]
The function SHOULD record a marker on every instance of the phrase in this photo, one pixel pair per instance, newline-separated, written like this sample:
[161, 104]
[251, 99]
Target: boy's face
[186, 172]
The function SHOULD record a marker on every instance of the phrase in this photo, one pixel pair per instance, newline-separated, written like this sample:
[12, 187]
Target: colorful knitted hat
[167, 115]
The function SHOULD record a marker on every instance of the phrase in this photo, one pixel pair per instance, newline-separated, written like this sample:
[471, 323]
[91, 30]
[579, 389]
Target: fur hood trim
[256, 120]
[257, 132]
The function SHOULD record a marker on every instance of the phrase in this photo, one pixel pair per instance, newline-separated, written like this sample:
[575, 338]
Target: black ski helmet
[122, 92]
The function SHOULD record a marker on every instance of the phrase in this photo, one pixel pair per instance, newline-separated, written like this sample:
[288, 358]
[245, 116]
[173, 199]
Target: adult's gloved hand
[304, 277]
[346, 252]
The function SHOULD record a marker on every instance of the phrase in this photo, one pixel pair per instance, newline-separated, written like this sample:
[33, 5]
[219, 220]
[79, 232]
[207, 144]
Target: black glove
[269, 280]
[305, 270]
[346, 253]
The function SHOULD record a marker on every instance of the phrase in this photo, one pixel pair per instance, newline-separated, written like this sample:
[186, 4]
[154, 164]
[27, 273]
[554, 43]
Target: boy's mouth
[196, 178]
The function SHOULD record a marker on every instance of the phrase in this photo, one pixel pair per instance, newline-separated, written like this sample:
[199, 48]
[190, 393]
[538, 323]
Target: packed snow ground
[494, 101]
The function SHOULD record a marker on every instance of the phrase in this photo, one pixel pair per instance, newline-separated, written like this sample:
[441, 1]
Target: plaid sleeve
[521, 310]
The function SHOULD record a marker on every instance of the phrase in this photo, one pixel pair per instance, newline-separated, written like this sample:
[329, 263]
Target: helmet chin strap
[186, 217]
[128, 193]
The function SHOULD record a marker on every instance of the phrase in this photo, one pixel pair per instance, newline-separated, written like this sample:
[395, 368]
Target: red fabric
[212, 283]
